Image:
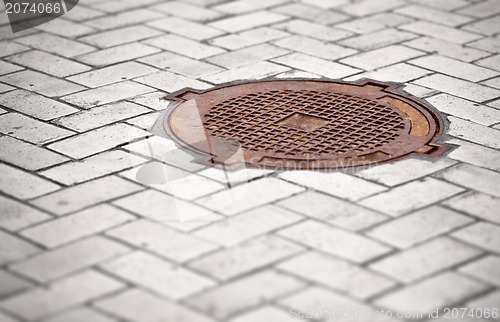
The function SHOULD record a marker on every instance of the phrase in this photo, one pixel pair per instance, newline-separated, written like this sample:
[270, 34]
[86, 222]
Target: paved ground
[82, 240]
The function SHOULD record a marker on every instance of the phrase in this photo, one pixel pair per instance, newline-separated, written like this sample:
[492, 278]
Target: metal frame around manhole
[277, 124]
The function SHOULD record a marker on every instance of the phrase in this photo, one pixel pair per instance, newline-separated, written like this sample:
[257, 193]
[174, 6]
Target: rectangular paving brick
[475, 154]
[29, 103]
[337, 274]
[117, 54]
[247, 56]
[334, 183]
[23, 185]
[11, 48]
[239, 6]
[41, 83]
[315, 47]
[484, 269]
[333, 211]
[446, 48]
[473, 177]
[400, 73]
[27, 156]
[247, 225]
[71, 258]
[80, 314]
[247, 21]
[184, 46]
[482, 234]
[313, 30]
[476, 204]
[120, 36]
[95, 141]
[474, 132]
[15, 248]
[187, 11]
[8, 68]
[248, 38]
[84, 223]
[48, 63]
[61, 295]
[86, 194]
[16, 215]
[485, 26]
[181, 65]
[316, 65]
[434, 15]
[364, 8]
[381, 57]
[244, 293]
[170, 82]
[377, 39]
[12, 284]
[101, 115]
[92, 167]
[123, 19]
[256, 71]
[56, 45]
[335, 241]
[158, 275]
[137, 305]
[186, 28]
[112, 74]
[419, 226]
[441, 32]
[411, 196]
[245, 257]
[34, 131]
[162, 240]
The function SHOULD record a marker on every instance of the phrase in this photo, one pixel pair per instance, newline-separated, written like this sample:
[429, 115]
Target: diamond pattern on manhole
[304, 124]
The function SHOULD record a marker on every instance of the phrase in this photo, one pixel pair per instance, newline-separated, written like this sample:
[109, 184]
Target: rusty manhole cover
[303, 124]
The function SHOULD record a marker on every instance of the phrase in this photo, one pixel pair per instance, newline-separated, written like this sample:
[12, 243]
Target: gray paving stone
[138, 305]
[491, 44]
[15, 249]
[158, 275]
[367, 7]
[334, 183]
[92, 167]
[186, 28]
[439, 291]
[392, 174]
[162, 208]
[486, 26]
[314, 30]
[120, 36]
[419, 91]
[170, 82]
[27, 156]
[265, 312]
[239, 7]
[34, 131]
[81, 314]
[348, 245]
[247, 21]
[82, 14]
[82, 224]
[377, 39]
[187, 11]
[411, 196]
[242, 294]
[48, 63]
[484, 269]
[102, 115]
[10, 48]
[458, 87]
[5, 88]
[447, 49]
[434, 15]
[123, 19]
[184, 46]
[373, 23]
[332, 210]
[248, 38]
[315, 47]
[61, 295]
[23, 185]
[247, 225]
[41, 83]
[247, 56]
[245, 257]
[426, 259]
[16, 215]
[476, 204]
[10, 284]
[255, 194]
[488, 301]
[316, 65]
[95, 141]
[484, 235]
[345, 277]
[66, 28]
[475, 154]
[473, 132]
[180, 64]
[490, 62]
[381, 57]
[153, 100]
[441, 32]
[256, 71]
[482, 9]
[162, 240]
[454, 68]
[111, 74]
[8, 68]
[400, 73]
[118, 54]
[495, 82]
[475, 178]
[304, 11]
[119, 6]
[85, 194]
[55, 44]
[68, 259]
[419, 226]
[29, 103]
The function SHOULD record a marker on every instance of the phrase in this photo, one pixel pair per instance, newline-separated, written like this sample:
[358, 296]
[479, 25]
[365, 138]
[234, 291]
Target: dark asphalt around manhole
[303, 124]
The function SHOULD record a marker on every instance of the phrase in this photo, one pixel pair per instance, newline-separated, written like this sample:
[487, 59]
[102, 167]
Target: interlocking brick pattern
[81, 239]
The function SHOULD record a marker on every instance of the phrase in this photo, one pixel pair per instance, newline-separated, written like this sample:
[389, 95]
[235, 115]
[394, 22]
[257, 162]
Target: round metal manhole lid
[303, 124]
